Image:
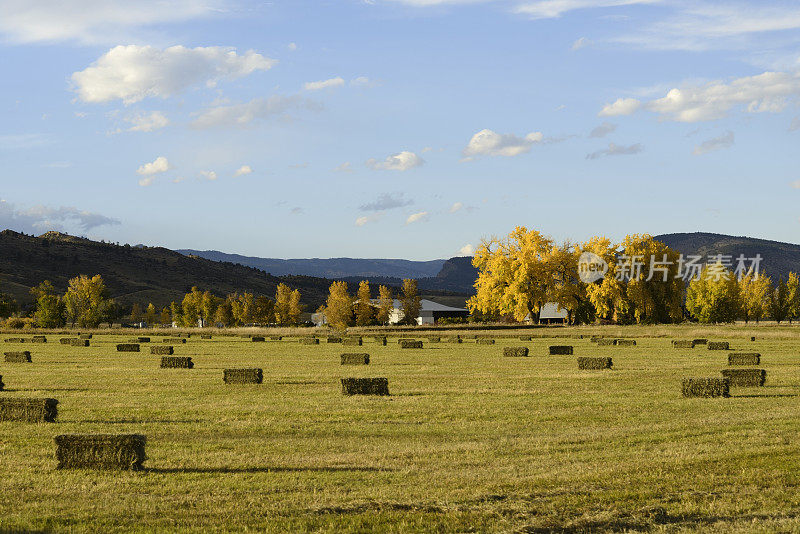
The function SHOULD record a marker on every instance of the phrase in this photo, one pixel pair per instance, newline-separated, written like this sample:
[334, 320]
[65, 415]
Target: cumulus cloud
[603, 130]
[147, 122]
[795, 184]
[402, 161]
[716, 143]
[324, 84]
[366, 219]
[616, 150]
[623, 106]
[209, 175]
[583, 42]
[416, 217]
[45, 218]
[159, 165]
[457, 206]
[466, 250]
[93, 21]
[132, 73]
[344, 167]
[387, 201]
[242, 115]
[490, 143]
[548, 9]
[243, 170]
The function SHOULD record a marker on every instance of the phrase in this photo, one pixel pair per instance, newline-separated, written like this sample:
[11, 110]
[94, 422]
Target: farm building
[430, 312]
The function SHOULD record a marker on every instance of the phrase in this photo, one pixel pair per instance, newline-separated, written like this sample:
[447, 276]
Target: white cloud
[616, 150]
[623, 106]
[795, 124]
[241, 115]
[361, 81]
[132, 73]
[209, 175]
[243, 170]
[717, 143]
[456, 207]
[44, 218]
[344, 167]
[416, 217]
[366, 219]
[795, 184]
[466, 250]
[402, 161]
[545, 9]
[93, 21]
[147, 122]
[583, 42]
[292, 46]
[324, 84]
[159, 165]
[387, 201]
[603, 130]
[489, 143]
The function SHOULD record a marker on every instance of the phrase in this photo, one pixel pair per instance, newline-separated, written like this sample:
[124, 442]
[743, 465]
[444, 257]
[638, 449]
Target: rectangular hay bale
[28, 410]
[257, 339]
[745, 377]
[705, 387]
[79, 342]
[84, 336]
[435, 339]
[525, 338]
[173, 340]
[701, 341]
[626, 342]
[515, 352]
[352, 358]
[484, 341]
[243, 376]
[275, 338]
[176, 362]
[16, 340]
[334, 339]
[410, 344]
[565, 350]
[453, 339]
[352, 341]
[128, 347]
[682, 344]
[606, 341]
[65, 340]
[718, 345]
[365, 386]
[22, 356]
[162, 350]
[205, 336]
[1, 383]
[39, 339]
[100, 451]
[309, 341]
[589, 363]
[744, 358]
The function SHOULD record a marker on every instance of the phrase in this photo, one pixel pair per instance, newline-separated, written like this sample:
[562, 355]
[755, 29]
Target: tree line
[342, 309]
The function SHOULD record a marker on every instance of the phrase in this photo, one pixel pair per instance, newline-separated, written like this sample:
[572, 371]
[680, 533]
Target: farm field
[467, 440]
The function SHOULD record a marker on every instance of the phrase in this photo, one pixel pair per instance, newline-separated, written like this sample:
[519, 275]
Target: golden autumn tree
[385, 305]
[295, 308]
[793, 288]
[410, 301]
[754, 292]
[339, 306]
[87, 301]
[607, 294]
[365, 311]
[714, 296]
[283, 305]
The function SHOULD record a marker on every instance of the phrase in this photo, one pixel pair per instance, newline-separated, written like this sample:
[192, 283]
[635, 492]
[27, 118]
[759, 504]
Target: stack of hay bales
[141, 340]
[705, 387]
[744, 358]
[561, 350]
[587, 363]
[162, 350]
[176, 362]
[22, 356]
[515, 352]
[243, 376]
[365, 386]
[28, 410]
[626, 342]
[16, 340]
[334, 339]
[39, 339]
[355, 359]
[605, 341]
[128, 347]
[173, 340]
[257, 339]
[355, 341]
[701, 341]
[410, 344]
[682, 344]
[309, 341]
[65, 340]
[275, 338]
[453, 339]
[100, 451]
[79, 342]
[380, 340]
[484, 341]
[718, 345]
[745, 377]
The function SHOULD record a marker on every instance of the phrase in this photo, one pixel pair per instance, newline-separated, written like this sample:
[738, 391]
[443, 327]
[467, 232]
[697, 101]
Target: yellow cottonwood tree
[754, 292]
[339, 306]
[714, 297]
[365, 312]
[659, 299]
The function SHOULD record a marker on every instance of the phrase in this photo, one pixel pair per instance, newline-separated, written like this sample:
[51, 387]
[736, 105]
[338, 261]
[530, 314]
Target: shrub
[365, 386]
[243, 376]
[410, 344]
[744, 358]
[39, 339]
[705, 387]
[626, 342]
[162, 349]
[594, 363]
[309, 341]
[18, 323]
[561, 350]
[352, 341]
[718, 345]
[176, 362]
[602, 342]
[334, 339]
[18, 357]
[257, 339]
[515, 352]
[79, 342]
[484, 341]
[128, 347]
[28, 410]
[100, 451]
[355, 359]
[682, 344]
[745, 377]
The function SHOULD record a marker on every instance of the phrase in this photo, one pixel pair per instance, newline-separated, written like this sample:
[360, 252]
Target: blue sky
[397, 128]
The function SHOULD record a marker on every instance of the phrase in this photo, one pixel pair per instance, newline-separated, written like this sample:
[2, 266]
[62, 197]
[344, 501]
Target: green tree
[793, 296]
[49, 306]
[339, 306]
[410, 301]
[151, 314]
[175, 313]
[385, 305]
[714, 296]
[365, 311]
[165, 317]
[87, 302]
[778, 301]
[136, 313]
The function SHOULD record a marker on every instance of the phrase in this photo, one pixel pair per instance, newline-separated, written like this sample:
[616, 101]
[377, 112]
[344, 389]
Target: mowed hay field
[468, 440]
